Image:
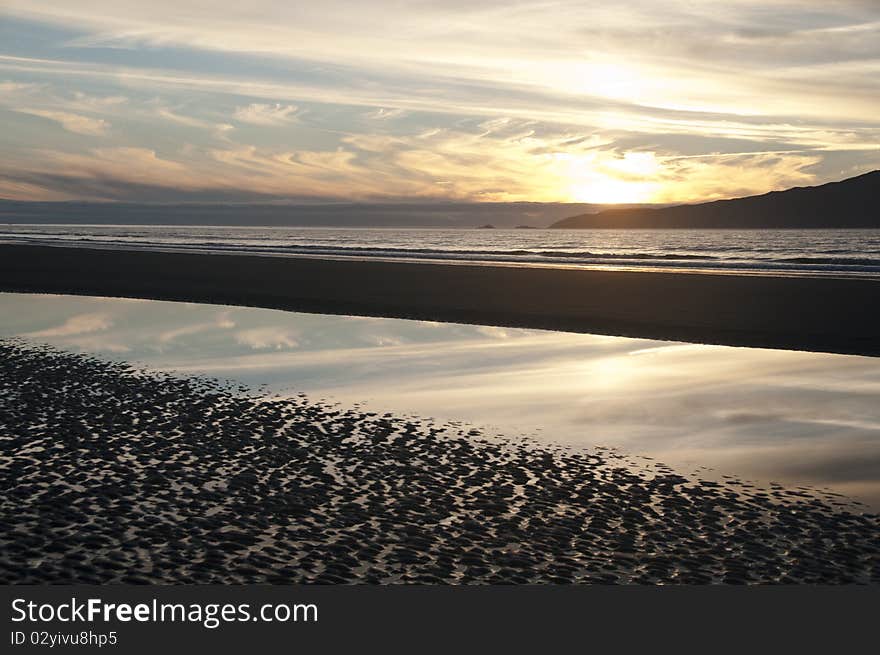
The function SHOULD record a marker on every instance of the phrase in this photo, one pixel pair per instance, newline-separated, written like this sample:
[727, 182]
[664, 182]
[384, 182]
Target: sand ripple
[110, 474]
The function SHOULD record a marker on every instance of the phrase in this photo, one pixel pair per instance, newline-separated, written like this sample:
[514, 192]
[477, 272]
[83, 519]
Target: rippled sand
[111, 474]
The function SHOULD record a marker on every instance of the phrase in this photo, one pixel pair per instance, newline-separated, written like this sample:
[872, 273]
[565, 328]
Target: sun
[609, 178]
[611, 191]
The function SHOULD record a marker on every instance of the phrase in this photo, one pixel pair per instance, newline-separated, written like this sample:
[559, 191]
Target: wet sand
[112, 474]
[798, 313]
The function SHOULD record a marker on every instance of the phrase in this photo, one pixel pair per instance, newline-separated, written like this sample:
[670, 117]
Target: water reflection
[798, 418]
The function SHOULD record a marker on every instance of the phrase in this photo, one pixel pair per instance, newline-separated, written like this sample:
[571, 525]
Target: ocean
[797, 252]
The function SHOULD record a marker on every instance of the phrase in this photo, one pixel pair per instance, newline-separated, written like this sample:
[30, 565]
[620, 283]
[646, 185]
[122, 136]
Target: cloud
[44, 96]
[11, 189]
[649, 53]
[96, 344]
[265, 114]
[717, 177]
[170, 115]
[126, 164]
[219, 131]
[497, 160]
[267, 337]
[80, 324]
[383, 340]
[493, 332]
[10, 88]
[383, 114]
[480, 101]
[222, 322]
[79, 101]
[72, 122]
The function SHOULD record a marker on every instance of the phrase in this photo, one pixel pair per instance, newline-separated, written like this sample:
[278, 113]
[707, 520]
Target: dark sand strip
[108, 474]
[819, 314]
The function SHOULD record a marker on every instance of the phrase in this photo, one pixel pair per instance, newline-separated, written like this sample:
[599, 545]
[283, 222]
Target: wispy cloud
[485, 161]
[264, 114]
[383, 114]
[221, 322]
[76, 325]
[262, 338]
[219, 130]
[486, 100]
[72, 122]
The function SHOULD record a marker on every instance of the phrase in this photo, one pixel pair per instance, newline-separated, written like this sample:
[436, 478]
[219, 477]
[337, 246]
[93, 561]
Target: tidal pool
[796, 418]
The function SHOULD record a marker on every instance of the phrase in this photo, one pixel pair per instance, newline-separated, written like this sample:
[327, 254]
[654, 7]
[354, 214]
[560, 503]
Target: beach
[300, 300]
[820, 313]
[115, 474]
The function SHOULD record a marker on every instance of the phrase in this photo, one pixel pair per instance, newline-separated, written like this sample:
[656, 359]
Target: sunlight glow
[610, 180]
[611, 80]
[603, 102]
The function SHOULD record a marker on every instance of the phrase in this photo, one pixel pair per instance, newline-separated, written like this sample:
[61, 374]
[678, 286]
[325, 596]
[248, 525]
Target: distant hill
[851, 203]
[398, 214]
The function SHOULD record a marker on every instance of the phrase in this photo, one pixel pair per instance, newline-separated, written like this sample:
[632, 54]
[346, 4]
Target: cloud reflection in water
[793, 417]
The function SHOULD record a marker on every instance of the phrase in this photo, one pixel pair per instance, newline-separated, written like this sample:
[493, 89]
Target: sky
[478, 101]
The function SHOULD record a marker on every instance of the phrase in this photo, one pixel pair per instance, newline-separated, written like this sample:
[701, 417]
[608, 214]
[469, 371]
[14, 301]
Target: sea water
[788, 252]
